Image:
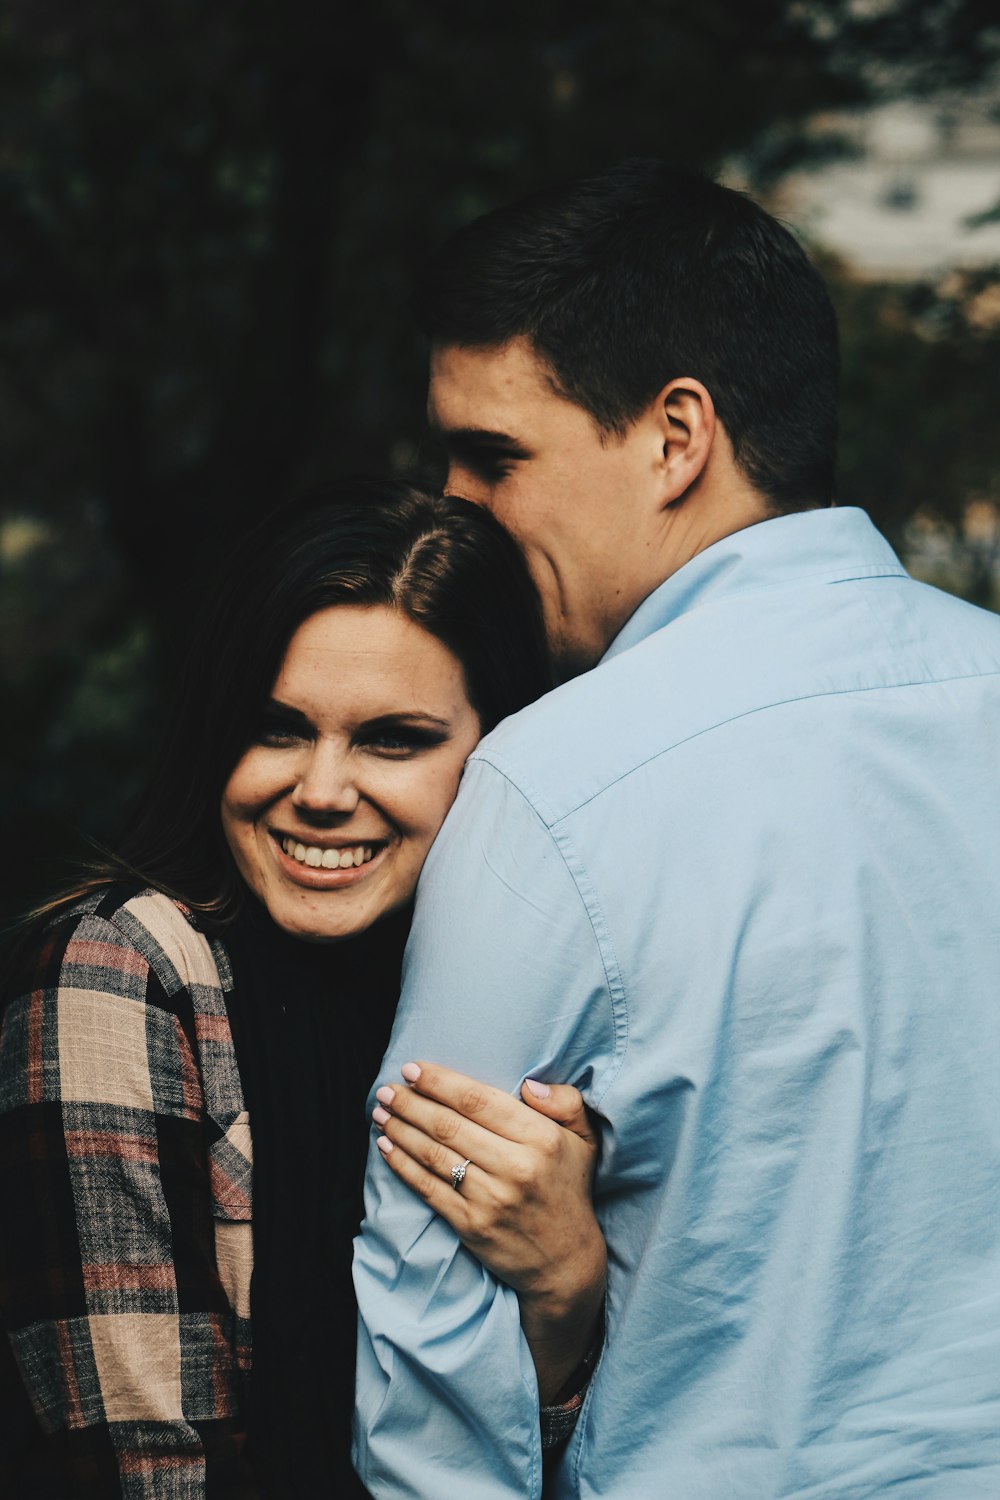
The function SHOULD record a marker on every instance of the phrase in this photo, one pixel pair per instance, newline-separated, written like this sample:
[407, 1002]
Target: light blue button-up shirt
[741, 884]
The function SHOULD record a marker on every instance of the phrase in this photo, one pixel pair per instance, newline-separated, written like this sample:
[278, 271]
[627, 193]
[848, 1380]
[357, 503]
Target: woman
[234, 969]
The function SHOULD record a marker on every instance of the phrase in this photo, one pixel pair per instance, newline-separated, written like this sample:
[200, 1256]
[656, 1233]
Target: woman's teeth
[327, 859]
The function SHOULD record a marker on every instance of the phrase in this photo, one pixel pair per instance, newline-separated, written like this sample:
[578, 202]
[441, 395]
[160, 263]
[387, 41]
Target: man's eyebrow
[476, 438]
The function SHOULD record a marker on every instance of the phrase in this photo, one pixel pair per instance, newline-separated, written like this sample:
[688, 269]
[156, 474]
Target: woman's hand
[523, 1206]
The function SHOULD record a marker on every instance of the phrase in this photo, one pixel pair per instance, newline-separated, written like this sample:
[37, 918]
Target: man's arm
[525, 1208]
[505, 976]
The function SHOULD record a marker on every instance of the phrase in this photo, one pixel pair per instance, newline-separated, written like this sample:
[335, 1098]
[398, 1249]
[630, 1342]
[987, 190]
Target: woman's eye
[276, 733]
[401, 742]
[276, 738]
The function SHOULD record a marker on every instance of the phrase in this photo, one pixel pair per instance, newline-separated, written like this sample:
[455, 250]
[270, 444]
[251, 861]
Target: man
[740, 883]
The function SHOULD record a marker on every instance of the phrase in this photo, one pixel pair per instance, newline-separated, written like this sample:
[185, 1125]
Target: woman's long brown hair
[443, 562]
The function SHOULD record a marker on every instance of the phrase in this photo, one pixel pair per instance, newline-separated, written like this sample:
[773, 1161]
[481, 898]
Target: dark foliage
[210, 218]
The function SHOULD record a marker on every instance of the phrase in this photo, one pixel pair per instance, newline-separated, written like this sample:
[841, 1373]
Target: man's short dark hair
[628, 279]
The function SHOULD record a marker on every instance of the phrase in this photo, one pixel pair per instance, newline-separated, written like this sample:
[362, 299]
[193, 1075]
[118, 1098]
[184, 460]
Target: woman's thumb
[560, 1102]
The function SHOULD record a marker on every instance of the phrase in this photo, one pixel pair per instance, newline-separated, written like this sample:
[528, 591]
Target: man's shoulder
[723, 662]
[568, 746]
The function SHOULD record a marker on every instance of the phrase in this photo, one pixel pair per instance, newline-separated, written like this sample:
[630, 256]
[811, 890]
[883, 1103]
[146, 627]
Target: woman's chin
[309, 923]
[311, 929]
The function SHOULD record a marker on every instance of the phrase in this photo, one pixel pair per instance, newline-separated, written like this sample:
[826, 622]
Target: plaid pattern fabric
[125, 1174]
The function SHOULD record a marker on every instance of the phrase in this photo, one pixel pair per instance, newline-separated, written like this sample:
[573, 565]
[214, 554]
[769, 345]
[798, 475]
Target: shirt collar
[834, 544]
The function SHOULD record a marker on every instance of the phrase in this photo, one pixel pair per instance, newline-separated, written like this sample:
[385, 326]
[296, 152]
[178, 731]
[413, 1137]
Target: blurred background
[210, 216]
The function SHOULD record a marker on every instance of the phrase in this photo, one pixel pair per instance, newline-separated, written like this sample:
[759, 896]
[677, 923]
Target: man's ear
[688, 423]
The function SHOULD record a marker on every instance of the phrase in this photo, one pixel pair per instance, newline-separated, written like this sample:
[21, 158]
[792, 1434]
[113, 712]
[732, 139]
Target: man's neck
[682, 537]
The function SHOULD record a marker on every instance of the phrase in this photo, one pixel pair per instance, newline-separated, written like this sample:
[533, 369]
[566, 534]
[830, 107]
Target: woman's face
[332, 809]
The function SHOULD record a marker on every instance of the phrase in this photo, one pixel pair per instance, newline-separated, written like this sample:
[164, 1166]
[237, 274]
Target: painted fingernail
[381, 1116]
[540, 1090]
[385, 1094]
[410, 1072]
[384, 1144]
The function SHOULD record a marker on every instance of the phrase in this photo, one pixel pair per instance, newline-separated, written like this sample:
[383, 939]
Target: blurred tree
[209, 220]
[919, 445]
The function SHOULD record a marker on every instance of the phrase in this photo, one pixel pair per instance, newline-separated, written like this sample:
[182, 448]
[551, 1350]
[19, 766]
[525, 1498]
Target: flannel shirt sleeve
[110, 1293]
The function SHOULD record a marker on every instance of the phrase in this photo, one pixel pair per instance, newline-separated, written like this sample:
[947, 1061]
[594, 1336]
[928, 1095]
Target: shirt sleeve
[110, 1294]
[505, 976]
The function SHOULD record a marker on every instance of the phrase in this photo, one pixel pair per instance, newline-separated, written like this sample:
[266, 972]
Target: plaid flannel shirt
[125, 1240]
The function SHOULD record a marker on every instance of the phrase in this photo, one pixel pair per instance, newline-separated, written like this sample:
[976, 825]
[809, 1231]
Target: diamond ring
[458, 1173]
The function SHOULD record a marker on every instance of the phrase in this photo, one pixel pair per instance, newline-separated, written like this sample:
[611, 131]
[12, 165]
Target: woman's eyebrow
[406, 716]
[284, 711]
[280, 710]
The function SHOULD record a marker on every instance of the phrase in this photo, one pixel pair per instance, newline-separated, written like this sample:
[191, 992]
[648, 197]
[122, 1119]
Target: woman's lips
[312, 864]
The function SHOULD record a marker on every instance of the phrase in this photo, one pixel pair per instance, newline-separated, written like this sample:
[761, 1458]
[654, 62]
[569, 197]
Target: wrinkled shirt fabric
[740, 884]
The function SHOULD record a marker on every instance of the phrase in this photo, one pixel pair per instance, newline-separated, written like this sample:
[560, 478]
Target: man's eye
[492, 469]
[483, 463]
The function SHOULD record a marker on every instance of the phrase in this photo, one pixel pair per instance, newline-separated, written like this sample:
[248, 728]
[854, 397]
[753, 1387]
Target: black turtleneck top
[310, 1023]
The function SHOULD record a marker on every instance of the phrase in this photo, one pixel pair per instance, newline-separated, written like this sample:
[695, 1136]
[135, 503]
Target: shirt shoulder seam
[555, 819]
[577, 872]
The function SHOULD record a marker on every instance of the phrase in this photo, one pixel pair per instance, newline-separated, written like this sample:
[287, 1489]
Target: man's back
[763, 841]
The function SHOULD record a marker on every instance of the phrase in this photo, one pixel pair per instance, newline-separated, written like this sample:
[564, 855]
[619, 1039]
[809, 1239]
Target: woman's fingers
[500, 1112]
[461, 1118]
[439, 1195]
[477, 1102]
[438, 1137]
[424, 1149]
[523, 1206]
[560, 1102]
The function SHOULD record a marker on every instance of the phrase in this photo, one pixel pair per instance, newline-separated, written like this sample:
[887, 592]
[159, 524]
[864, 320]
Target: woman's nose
[327, 787]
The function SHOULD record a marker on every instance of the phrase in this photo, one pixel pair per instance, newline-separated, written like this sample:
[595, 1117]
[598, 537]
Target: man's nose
[327, 788]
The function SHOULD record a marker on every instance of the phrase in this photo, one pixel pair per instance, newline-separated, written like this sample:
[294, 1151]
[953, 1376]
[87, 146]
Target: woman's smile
[327, 866]
[330, 857]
